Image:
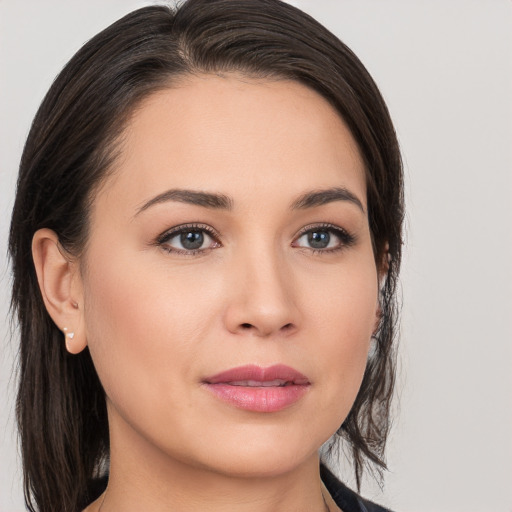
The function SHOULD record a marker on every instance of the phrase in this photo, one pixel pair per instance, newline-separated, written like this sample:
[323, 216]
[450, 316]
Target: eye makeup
[324, 238]
[192, 239]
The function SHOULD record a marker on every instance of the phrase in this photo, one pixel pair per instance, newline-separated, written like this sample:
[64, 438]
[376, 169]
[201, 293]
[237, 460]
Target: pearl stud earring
[70, 335]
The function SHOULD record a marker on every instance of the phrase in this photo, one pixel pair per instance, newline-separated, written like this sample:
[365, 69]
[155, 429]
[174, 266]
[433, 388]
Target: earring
[70, 335]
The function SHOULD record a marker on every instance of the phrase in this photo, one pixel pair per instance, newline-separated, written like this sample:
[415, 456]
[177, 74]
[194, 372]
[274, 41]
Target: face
[231, 237]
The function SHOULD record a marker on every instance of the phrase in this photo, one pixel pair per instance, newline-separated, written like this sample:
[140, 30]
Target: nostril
[288, 328]
[265, 330]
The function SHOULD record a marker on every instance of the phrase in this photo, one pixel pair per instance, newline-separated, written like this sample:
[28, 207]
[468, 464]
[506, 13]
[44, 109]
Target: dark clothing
[344, 497]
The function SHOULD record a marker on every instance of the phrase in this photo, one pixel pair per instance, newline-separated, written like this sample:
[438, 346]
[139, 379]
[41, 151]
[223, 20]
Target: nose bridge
[264, 301]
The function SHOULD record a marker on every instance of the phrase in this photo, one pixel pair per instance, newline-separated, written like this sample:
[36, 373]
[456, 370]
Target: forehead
[235, 135]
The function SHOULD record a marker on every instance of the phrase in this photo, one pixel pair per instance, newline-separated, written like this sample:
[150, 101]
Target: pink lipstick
[258, 389]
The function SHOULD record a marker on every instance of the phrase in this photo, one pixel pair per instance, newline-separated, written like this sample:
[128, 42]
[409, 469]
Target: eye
[325, 238]
[189, 239]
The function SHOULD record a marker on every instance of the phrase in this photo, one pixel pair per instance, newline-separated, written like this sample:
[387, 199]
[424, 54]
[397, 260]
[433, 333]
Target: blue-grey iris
[319, 239]
[192, 240]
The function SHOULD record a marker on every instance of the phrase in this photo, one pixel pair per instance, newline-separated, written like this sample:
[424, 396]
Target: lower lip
[259, 399]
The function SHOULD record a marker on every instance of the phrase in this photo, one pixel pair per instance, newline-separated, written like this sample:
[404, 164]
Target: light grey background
[445, 69]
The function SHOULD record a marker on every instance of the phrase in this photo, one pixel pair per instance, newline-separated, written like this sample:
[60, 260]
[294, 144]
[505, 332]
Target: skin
[158, 321]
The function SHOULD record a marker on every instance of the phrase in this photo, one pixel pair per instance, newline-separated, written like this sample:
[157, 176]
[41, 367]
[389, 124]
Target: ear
[61, 287]
[383, 269]
[382, 273]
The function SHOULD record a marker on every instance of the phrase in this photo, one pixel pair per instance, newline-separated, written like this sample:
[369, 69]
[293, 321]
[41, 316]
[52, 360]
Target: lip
[258, 389]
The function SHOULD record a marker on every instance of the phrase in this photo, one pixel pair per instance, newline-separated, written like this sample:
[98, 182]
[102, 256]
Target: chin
[261, 465]
[262, 453]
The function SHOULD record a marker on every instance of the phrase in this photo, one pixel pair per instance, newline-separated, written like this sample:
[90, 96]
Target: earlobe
[57, 274]
[74, 344]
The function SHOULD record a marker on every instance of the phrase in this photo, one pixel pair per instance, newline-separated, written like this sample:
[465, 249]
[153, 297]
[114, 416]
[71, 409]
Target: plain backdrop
[445, 70]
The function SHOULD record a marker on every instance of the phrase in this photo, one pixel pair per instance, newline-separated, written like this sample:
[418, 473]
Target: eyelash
[185, 228]
[346, 239]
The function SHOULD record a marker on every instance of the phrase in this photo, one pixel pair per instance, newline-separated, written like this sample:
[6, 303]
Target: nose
[262, 300]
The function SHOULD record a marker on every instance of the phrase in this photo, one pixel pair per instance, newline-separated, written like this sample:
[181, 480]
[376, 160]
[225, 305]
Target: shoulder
[345, 498]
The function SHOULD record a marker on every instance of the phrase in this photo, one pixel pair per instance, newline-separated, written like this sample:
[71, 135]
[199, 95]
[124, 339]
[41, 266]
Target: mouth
[264, 384]
[258, 389]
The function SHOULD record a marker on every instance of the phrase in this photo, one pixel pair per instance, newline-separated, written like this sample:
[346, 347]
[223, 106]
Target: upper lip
[253, 375]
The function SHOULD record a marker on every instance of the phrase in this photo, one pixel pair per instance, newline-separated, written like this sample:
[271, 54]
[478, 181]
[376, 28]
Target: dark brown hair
[61, 408]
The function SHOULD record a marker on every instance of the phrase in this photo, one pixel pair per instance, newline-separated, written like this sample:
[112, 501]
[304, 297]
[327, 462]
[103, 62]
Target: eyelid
[191, 226]
[347, 239]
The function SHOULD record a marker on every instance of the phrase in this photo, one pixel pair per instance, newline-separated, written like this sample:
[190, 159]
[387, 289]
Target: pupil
[192, 240]
[319, 239]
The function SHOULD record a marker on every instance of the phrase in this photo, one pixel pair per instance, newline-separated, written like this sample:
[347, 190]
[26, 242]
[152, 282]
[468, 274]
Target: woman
[205, 242]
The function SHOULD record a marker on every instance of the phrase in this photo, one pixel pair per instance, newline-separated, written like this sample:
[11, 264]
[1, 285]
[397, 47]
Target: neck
[145, 478]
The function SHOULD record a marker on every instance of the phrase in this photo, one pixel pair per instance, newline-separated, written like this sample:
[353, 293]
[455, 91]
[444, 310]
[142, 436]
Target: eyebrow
[325, 196]
[217, 201]
[205, 199]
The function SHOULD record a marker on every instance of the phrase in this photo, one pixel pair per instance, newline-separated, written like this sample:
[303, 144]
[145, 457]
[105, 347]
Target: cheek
[345, 306]
[343, 319]
[150, 327]
[145, 326]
